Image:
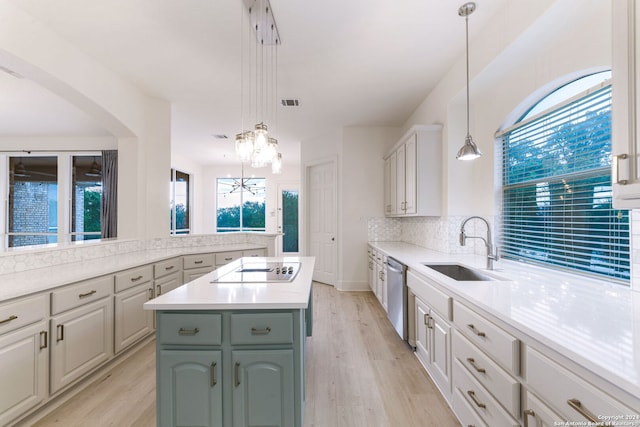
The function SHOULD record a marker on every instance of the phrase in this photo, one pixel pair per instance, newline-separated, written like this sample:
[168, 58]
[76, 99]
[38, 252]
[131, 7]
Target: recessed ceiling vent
[11, 72]
[220, 136]
[290, 102]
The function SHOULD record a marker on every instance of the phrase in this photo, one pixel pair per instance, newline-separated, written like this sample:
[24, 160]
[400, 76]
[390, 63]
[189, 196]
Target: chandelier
[258, 87]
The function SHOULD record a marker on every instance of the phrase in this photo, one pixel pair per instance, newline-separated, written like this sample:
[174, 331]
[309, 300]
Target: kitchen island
[230, 345]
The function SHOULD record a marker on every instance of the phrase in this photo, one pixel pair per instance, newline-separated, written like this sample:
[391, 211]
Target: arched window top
[566, 92]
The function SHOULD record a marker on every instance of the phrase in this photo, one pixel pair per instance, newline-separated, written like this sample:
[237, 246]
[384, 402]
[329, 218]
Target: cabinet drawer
[164, 268]
[480, 400]
[134, 277]
[254, 252]
[500, 345]
[465, 413]
[495, 379]
[22, 312]
[80, 294]
[262, 328]
[437, 299]
[197, 261]
[561, 388]
[189, 329]
[223, 258]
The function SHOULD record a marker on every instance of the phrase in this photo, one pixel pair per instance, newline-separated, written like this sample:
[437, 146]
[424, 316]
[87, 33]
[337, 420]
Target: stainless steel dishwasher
[397, 296]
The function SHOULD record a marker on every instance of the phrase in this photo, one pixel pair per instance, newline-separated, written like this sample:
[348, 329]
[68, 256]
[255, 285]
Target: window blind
[557, 201]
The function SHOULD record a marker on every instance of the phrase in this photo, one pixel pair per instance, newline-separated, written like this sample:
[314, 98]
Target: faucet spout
[491, 256]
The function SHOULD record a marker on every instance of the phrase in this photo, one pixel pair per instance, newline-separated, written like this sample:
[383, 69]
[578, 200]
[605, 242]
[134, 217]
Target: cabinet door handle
[472, 395]
[198, 261]
[8, 319]
[170, 267]
[44, 339]
[86, 294]
[149, 294]
[135, 279]
[616, 169]
[473, 363]
[59, 333]
[256, 331]
[476, 331]
[236, 374]
[577, 405]
[188, 332]
[158, 290]
[426, 320]
[527, 413]
[212, 374]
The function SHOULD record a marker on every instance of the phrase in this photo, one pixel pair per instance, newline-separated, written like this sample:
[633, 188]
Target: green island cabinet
[230, 367]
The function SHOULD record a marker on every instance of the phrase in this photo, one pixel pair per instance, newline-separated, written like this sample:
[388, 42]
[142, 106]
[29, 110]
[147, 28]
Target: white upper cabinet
[625, 172]
[413, 174]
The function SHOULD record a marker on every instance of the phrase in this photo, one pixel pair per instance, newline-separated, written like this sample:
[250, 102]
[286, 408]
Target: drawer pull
[473, 363]
[473, 397]
[577, 405]
[198, 261]
[228, 259]
[476, 331]
[8, 319]
[212, 374]
[236, 374]
[527, 413]
[265, 331]
[135, 279]
[86, 294]
[44, 340]
[59, 333]
[169, 267]
[188, 332]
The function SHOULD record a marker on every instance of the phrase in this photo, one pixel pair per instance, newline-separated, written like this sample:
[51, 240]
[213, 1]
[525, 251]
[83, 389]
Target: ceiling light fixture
[469, 150]
[257, 145]
[94, 169]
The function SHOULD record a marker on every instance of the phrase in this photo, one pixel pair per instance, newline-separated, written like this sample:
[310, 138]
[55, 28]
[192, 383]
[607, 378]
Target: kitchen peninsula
[230, 345]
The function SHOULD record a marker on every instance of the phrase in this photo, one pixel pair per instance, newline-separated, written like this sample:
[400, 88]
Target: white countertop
[592, 322]
[27, 282]
[205, 294]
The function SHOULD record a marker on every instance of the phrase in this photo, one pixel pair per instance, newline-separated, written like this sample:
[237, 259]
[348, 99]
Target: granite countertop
[204, 293]
[27, 282]
[593, 322]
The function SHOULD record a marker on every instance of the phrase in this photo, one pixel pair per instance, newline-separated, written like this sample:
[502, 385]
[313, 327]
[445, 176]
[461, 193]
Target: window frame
[173, 231]
[241, 227]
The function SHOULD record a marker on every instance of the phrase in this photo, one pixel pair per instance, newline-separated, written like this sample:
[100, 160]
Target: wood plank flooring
[359, 373]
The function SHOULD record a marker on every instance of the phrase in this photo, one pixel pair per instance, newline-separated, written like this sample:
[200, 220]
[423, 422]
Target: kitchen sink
[460, 272]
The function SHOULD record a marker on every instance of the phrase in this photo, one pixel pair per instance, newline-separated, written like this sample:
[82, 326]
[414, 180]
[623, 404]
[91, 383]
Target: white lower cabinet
[24, 359]
[81, 339]
[132, 321]
[538, 414]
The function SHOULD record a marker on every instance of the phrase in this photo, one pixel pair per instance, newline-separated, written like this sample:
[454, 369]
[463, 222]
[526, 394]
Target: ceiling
[350, 63]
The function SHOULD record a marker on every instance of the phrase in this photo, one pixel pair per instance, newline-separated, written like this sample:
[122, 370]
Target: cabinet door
[410, 176]
[390, 180]
[132, 321]
[189, 388]
[440, 366]
[422, 336]
[263, 389]
[625, 114]
[400, 176]
[372, 275]
[537, 414]
[81, 340]
[24, 357]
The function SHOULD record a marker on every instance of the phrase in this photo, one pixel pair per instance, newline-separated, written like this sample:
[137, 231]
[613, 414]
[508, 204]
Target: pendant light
[469, 150]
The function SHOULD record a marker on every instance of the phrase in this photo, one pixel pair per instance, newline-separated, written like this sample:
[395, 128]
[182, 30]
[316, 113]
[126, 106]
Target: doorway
[322, 214]
[288, 220]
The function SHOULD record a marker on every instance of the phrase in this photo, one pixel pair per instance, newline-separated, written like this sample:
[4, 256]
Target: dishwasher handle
[395, 266]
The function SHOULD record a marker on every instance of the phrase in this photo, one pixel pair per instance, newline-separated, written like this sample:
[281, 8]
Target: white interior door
[288, 243]
[323, 214]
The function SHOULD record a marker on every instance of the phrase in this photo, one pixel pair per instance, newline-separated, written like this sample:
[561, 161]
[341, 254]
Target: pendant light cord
[466, 21]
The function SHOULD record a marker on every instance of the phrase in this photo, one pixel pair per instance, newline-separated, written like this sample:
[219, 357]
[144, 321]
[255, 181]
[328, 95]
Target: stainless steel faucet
[491, 256]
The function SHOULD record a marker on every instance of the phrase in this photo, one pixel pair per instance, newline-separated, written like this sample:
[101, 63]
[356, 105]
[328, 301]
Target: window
[556, 182]
[86, 198]
[33, 201]
[180, 202]
[232, 193]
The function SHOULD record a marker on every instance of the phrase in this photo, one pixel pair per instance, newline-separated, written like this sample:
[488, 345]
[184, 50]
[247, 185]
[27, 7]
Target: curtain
[109, 209]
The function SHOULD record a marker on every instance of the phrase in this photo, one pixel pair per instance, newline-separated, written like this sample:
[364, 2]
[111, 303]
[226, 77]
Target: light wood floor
[359, 373]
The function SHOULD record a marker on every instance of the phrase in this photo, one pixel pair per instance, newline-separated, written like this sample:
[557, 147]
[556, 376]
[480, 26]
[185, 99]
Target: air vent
[290, 102]
[11, 72]
[220, 136]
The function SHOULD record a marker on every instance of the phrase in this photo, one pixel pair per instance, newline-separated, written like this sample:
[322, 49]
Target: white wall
[140, 124]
